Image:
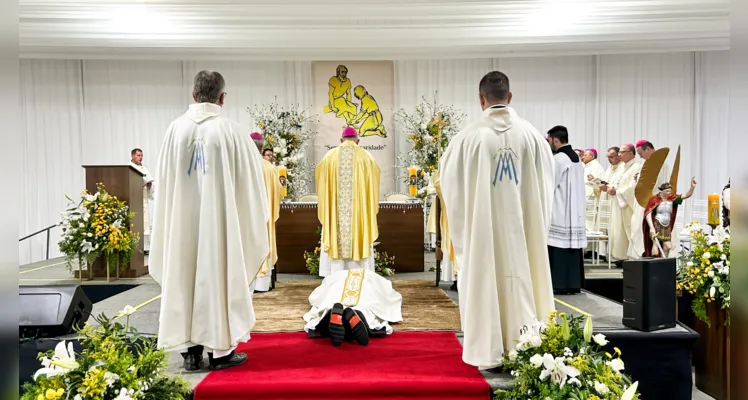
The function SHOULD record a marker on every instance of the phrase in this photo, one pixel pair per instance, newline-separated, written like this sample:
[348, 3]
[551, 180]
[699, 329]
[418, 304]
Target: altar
[400, 235]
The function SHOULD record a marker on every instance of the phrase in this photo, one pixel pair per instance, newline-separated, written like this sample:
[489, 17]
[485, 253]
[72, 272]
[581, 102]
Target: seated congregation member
[353, 305]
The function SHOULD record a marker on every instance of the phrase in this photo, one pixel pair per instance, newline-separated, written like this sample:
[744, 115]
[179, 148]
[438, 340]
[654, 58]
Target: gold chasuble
[443, 222]
[275, 195]
[348, 195]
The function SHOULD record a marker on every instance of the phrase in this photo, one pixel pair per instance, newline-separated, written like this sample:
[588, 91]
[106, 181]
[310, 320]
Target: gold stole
[275, 194]
[443, 220]
[352, 288]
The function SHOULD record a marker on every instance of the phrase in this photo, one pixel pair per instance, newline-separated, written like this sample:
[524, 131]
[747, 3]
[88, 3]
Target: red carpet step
[404, 365]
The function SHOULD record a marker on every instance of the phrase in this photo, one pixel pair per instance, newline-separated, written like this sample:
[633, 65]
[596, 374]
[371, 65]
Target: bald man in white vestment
[497, 179]
[354, 304]
[645, 149]
[210, 233]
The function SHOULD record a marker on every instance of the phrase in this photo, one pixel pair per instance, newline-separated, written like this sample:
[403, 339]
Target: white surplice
[361, 290]
[596, 170]
[622, 208]
[636, 245]
[610, 175]
[209, 233]
[568, 215]
[497, 178]
[147, 197]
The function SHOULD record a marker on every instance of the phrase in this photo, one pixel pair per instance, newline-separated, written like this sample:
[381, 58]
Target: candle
[283, 174]
[413, 175]
[713, 207]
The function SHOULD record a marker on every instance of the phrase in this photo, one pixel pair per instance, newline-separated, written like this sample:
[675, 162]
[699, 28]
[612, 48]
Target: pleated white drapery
[96, 111]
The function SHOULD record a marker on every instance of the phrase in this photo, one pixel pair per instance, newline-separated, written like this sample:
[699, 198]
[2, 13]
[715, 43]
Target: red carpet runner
[404, 365]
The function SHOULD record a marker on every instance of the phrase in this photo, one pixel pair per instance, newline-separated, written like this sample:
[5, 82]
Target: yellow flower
[52, 394]
[608, 355]
[617, 350]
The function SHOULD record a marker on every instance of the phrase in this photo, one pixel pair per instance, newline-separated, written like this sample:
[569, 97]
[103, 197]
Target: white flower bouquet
[564, 361]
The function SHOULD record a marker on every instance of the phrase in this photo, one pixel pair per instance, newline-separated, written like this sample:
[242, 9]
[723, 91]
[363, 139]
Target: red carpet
[404, 365]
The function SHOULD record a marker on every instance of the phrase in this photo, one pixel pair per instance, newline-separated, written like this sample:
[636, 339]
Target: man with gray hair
[210, 235]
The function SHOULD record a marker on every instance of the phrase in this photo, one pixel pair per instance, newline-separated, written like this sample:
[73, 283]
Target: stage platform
[653, 358]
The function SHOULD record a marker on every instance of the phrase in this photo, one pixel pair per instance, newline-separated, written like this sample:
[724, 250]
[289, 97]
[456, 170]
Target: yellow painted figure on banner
[340, 96]
[369, 115]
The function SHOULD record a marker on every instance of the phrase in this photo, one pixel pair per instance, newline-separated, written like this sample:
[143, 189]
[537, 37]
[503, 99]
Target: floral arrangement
[382, 261]
[99, 224]
[286, 132]
[429, 130]
[563, 361]
[107, 368]
[704, 271]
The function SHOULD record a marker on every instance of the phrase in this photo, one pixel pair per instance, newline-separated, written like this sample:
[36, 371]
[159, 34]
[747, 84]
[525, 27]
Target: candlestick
[713, 208]
[413, 176]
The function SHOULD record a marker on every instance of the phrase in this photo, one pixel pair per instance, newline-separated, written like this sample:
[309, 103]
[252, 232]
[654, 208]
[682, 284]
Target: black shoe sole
[337, 330]
[357, 327]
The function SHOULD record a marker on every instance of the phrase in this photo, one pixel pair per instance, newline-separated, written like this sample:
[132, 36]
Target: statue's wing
[674, 175]
[648, 176]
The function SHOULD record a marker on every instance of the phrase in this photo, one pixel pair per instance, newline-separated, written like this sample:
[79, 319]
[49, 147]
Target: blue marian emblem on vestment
[197, 159]
[505, 166]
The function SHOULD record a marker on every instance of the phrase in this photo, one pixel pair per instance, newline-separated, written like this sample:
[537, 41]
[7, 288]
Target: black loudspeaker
[649, 294]
[49, 311]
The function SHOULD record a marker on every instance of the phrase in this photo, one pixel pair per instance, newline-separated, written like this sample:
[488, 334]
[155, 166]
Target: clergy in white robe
[210, 231]
[449, 270]
[275, 195]
[567, 237]
[136, 161]
[726, 206]
[636, 247]
[622, 192]
[361, 290]
[610, 175]
[347, 181]
[593, 171]
[497, 178]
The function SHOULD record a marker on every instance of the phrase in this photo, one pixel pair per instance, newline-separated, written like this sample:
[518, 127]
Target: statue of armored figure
[659, 219]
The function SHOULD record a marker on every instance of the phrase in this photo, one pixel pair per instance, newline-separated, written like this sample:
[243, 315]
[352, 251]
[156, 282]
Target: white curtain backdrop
[95, 112]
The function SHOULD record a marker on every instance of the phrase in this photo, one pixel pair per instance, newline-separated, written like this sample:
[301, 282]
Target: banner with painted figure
[360, 95]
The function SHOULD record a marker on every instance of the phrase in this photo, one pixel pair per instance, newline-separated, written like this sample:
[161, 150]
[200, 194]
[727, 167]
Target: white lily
[62, 362]
[601, 389]
[630, 392]
[536, 360]
[600, 339]
[616, 365]
[557, 370]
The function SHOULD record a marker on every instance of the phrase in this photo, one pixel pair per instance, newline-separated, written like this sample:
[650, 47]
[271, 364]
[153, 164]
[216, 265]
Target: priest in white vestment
[636, 247]
[593, 171]
[601, 191]
[567, 237]
[622, 191]
[275, 196]
[136, 161]
[210, 231]
[347, 181]
[726, 206]
[497, 179]
[371, 296]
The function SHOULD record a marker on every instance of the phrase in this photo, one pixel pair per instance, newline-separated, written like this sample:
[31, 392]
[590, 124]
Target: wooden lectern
[126, 183]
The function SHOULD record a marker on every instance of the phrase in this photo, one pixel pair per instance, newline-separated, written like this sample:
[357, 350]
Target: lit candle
[713, 207]
[413, 175]
[283, 173]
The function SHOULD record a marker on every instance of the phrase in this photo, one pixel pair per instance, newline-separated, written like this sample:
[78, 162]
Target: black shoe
[231, 360]
[454, 286]
[193, 358]
[495, 370]
[322, 330]
[336, 328]
[356, 326]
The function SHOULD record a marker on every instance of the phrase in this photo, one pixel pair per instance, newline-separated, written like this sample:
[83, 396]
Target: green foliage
[107, 368]
[704, 271]
[561, 361]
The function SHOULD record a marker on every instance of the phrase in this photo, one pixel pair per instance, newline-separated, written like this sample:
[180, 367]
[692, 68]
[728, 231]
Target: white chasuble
[622, 208]
[497, 179]
[610, 175]
[360, 290]
[210, 233]
[348, 203]
[636, 245]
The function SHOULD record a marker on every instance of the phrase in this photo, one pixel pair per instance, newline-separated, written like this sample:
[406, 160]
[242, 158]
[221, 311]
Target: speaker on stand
[649, 300]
